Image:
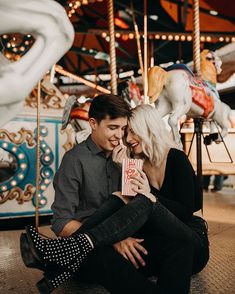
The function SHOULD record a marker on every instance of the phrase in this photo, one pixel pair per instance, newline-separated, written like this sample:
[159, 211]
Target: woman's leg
[166, 224]
[109, 207]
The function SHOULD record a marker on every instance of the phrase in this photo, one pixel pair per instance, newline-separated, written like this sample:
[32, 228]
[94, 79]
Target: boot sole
[27, 254]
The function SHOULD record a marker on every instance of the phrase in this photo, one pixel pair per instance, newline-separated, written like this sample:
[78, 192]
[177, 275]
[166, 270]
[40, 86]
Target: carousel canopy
[170, 26]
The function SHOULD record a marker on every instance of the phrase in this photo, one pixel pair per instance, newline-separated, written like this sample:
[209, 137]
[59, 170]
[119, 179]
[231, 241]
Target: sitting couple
[116, 241]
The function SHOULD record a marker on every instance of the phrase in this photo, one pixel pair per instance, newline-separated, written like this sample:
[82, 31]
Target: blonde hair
[156, 140]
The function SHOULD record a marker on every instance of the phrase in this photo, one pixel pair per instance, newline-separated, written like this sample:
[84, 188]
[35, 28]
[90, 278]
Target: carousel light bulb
[131, 36]
[233, 39]
[221, 39]
[23, 165]
[8, 45]
[202, 38]
[13, 183]
[4, 145]
[118, 35]
[157, 36]
[227, 39]
[177, 38]
[21, 155]
[163, 37]
[170, 37]
[189, 38]
[182, 38]
[104, 35]
[208, 38]
[5, 36]
[4, 188]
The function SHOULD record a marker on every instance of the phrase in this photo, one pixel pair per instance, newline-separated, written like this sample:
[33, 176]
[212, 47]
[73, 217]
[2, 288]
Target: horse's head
[210, 65]
[156, 81]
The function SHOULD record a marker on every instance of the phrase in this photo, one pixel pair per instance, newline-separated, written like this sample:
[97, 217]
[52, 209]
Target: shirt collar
[93, 147]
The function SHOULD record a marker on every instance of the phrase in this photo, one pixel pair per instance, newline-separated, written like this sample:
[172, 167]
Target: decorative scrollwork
[70, 142]
[17, 193]
[49, 98]
[25, 135]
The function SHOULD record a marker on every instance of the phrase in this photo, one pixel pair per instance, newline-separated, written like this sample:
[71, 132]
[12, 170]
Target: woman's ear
[93, 123]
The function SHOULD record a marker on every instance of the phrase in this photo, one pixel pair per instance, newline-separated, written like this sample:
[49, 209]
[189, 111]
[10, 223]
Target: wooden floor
[217, 278]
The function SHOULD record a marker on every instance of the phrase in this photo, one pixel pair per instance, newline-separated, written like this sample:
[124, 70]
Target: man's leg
[106, 267]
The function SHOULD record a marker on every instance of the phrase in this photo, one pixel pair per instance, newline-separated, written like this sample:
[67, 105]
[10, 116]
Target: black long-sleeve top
[179, 192]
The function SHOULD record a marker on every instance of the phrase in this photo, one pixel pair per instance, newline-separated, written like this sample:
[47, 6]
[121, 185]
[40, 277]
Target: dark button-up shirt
[85, 179]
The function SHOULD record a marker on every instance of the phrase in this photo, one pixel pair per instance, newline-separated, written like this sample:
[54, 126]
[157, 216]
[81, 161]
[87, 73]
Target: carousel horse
[76, 109]
[47, 22]
[178, 92]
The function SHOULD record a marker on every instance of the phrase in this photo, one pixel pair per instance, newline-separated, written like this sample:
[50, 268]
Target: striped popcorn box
[129, 169]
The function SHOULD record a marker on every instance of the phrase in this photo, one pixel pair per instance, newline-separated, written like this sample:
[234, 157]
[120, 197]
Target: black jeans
[175, 250]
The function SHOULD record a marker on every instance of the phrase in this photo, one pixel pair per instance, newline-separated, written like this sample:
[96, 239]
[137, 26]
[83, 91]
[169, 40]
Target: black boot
[59, 258]
[52, 280]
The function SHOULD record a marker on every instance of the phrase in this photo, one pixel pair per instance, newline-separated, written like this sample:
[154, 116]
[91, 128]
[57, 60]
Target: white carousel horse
[177, 92]
[47, 22]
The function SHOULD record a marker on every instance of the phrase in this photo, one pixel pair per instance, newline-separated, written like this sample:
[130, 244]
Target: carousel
[56, 56]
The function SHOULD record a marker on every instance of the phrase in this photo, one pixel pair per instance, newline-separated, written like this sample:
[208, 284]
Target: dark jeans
[175, 250]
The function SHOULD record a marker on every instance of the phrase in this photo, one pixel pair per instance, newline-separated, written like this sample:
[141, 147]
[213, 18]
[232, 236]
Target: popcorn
[129, 169]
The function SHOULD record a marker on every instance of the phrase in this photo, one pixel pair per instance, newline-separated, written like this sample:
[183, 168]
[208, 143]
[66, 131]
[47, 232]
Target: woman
[164, 206]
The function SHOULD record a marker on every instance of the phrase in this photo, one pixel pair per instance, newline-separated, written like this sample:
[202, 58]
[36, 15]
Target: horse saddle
[202, 95]
[81, 113]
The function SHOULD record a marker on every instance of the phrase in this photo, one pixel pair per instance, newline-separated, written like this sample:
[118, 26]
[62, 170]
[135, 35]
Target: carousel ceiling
[170, 25]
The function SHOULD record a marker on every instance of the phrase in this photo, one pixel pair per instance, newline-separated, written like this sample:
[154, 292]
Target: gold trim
[70, 139]
[25, 135]
[17, 193]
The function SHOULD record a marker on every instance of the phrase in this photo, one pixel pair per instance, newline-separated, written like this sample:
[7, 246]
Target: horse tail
[156, 81]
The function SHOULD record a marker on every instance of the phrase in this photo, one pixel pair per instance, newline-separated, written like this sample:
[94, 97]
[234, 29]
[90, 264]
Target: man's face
[107, 133]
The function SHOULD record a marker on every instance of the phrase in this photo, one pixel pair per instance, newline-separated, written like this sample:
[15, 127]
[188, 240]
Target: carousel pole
[145, 53]
[197, 121]
[38, 157]
[137, 36]
[113, 67]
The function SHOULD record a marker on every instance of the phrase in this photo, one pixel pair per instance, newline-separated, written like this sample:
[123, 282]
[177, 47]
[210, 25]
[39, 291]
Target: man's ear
[93, 123]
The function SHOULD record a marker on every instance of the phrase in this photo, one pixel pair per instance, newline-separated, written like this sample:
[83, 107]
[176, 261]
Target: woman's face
[133, 141]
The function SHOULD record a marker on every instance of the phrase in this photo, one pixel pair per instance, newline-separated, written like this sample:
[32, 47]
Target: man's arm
[70, 228]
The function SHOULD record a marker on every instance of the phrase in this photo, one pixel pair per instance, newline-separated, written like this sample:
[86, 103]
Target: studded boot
[63, 254]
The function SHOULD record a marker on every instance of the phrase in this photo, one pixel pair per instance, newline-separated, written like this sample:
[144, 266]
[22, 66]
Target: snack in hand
[130, 169]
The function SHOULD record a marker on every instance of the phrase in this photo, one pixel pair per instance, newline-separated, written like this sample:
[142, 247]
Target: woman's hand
[119, 153]
[141, 185]
[130, 249]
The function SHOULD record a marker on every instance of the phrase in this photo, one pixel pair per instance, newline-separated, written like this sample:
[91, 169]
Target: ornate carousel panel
[18, 155]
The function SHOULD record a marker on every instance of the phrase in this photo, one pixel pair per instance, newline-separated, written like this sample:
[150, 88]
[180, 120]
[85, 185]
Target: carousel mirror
[8, 165]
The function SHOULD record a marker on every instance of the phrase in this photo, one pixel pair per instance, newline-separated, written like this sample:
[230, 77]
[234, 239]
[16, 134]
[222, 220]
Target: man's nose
[119, 134]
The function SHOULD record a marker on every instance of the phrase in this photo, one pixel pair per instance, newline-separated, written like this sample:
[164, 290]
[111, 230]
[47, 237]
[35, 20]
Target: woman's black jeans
[185, 251]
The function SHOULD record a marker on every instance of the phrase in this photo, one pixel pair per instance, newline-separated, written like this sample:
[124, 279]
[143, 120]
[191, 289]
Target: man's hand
[119, 153]
[130, 248]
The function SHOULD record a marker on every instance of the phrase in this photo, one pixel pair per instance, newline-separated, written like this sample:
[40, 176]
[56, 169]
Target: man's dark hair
[109, 105]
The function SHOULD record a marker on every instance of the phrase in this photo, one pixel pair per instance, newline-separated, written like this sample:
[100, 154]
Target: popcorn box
[129, 169]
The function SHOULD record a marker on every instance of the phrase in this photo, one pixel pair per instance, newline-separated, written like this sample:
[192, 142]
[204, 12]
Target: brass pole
[196, 38]
[145, 53]
[137, 36]
[113, 67]
[38, 157]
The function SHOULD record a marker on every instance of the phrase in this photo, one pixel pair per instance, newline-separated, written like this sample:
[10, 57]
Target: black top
[179, 191]
[84, 180]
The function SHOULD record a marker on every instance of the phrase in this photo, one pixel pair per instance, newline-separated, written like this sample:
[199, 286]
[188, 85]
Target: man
[85, 179]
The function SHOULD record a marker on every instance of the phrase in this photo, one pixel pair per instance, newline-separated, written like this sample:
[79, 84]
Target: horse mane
[208, 69]
[156, 81]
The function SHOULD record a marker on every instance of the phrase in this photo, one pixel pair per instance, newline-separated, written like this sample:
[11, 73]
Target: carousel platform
[217, 278]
